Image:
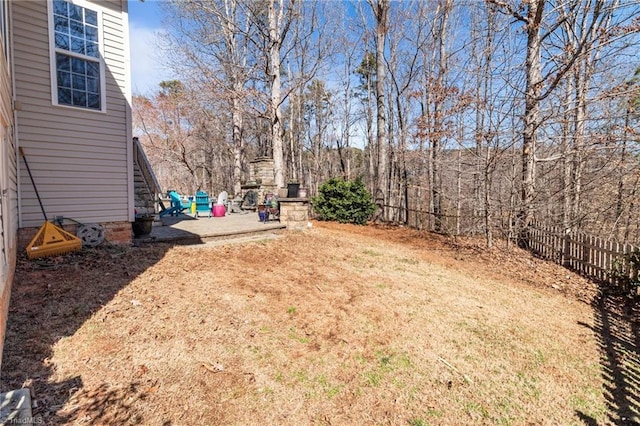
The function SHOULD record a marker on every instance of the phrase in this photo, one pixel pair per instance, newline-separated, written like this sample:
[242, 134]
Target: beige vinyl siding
[8, 192]
[8, 186]
[79, 158]
[8, 173]
[6, 113]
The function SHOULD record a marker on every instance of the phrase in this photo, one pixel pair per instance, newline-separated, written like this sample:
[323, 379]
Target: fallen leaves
[212, 368]
[217, 324]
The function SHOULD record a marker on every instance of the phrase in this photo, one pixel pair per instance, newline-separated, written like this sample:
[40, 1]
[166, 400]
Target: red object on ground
[219, 210]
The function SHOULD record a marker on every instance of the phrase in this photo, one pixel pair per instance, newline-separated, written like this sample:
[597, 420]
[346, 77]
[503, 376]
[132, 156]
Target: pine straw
[337, 325]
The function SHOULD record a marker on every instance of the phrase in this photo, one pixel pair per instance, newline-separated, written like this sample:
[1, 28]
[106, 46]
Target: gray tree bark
[381, 12]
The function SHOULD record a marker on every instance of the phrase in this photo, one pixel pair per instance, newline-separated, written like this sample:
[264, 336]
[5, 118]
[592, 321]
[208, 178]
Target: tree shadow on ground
[616, 326]
[51, 299]
[173, 219]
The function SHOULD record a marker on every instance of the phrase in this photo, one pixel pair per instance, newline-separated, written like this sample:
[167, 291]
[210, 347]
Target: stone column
[294, 212]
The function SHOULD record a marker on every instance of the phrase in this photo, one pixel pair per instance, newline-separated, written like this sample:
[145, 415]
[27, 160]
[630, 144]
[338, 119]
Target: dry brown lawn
[338, 325]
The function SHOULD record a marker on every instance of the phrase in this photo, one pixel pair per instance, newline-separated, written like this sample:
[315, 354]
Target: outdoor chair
[164, 211]
[223, 198]
[273, 206]
[177, 206]
[202, 203]
[220, 208]
[250, 200]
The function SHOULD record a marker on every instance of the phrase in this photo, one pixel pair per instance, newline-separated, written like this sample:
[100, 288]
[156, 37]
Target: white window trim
[6, 42]
[52, 57]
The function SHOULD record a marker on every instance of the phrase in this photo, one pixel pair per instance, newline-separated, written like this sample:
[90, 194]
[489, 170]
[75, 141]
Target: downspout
[15, 106]
[127, 111]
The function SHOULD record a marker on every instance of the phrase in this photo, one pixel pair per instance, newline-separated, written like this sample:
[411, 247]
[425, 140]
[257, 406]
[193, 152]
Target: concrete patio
[187, 229]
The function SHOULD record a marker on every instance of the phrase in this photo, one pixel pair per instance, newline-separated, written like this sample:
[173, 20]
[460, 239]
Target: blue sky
[147, 70]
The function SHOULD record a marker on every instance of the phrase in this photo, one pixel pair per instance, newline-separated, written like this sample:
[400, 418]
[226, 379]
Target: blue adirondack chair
[202, 203]
[177, 206]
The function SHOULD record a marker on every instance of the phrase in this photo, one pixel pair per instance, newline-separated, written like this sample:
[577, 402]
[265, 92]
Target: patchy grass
[337, 325]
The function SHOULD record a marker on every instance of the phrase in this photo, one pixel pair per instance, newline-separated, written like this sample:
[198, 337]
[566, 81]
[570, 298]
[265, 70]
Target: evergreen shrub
[344, 201]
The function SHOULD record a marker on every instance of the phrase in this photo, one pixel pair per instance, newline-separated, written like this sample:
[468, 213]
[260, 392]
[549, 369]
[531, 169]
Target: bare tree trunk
[578, 142]
[346, 157]
[293, 129]
[485, 134]
[275, 18]
[622, 174]
[565, 178]
[438, 107]
[533, 91]
[459, 184]
[479, 131]
[300, 162]
[381, 11]
[420, 204]
[403, 178]
[373, 152]
[237, 56]
[238, 144]
[297, 106]
[581, 86]
[434, 182]
[583, 71]
[488, 209]
[513, 196]
[632, 197]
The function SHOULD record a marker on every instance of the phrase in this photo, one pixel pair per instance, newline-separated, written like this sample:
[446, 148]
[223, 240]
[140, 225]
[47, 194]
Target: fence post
[609, 266]
[566, 251]
[615, 279]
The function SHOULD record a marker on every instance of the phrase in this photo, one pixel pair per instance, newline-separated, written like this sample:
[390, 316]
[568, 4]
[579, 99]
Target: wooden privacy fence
[597, 258]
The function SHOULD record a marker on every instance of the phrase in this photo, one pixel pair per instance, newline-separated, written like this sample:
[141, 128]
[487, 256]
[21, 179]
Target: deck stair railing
[146, 186]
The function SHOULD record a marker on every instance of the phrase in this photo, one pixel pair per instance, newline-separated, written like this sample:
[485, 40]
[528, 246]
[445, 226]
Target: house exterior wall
[81, 160]
[8, 176]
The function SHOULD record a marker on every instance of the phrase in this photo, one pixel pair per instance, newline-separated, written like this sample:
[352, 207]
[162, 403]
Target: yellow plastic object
[193, 207]
[51, 241]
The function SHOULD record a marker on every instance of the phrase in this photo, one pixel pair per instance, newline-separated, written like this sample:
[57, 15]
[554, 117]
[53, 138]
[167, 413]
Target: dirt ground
[337, 325]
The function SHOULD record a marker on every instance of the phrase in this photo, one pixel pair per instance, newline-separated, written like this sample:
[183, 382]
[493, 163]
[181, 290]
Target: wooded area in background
[463, 117]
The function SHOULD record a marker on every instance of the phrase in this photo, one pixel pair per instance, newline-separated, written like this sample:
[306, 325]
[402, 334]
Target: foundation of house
[115, 232]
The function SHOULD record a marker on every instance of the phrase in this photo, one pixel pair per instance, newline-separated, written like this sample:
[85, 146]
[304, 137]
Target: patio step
[167, 234]
[267, 233]
[238, 240]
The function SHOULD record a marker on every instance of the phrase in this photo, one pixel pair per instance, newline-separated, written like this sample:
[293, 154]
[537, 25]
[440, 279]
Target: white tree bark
[275, 15]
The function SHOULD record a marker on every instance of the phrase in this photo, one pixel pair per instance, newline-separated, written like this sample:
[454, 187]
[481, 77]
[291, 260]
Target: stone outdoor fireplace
[261, 179]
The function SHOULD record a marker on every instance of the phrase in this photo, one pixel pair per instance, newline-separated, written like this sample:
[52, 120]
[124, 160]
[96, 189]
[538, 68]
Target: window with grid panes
[77, 55]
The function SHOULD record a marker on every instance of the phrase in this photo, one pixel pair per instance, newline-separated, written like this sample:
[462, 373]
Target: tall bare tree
[381, 14]
[547, 77]
[210, 44]
[538, 87]
[279, 16]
